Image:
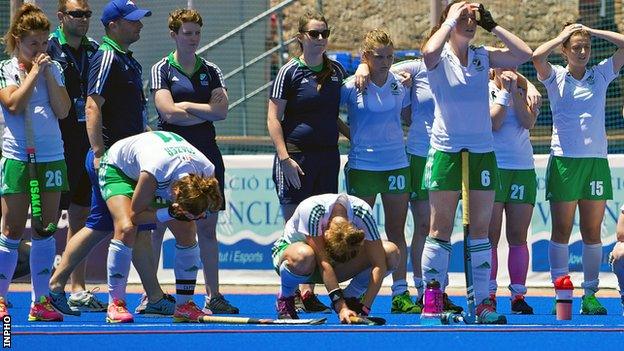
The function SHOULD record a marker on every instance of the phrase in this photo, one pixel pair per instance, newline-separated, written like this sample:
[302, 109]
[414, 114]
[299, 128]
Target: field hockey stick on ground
[368, 320]
[246, 320]
[36, 215]
[469, 316]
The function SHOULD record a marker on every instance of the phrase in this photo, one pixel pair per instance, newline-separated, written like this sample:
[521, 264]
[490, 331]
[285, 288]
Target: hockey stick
[469, 316]
[247, 320]
[368, 320]
[36, 217]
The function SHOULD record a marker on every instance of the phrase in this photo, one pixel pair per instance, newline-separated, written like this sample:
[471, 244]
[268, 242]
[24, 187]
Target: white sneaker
[86, 301]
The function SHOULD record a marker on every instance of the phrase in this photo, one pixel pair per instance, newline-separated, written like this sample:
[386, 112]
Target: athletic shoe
[449, 306]
[163, 307]
[4, 311]
[86, 301]
[403, 303]
[309, 303]
[219, 305]
[59, 301]
[486, 313]
[118, 312]
[188, 312]
[43, 311]
[519, 306]
[590, 305]
[285, 306]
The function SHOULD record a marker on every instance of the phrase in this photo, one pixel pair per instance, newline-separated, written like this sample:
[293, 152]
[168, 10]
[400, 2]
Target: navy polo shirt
[75, 63]
[116, 76]
[196, 87]
[310, 117]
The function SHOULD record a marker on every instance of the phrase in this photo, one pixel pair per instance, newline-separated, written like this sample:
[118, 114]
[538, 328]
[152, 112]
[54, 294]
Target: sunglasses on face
[315, 33]
[79, 14]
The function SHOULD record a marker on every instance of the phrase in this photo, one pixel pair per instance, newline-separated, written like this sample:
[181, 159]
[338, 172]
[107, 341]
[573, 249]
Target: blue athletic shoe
[163, 307]
[59, 301]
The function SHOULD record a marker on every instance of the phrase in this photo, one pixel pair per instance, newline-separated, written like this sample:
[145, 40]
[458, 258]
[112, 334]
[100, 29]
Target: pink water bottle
[433, 304]
[564, 290]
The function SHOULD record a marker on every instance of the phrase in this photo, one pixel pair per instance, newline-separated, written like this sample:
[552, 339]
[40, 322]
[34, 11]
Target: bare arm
[290, 168]
[93, 111]
[14, 98]
[344, 129]
[525, 115]
[59, 98]
[170, 111]
[540, 56]
[215, 110]
[617, 39]
[329, 276]
[377, 256]
[516, 53]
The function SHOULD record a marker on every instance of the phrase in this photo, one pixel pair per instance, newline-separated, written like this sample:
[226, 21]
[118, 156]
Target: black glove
[177, 215]
[355, 305]
[485, 19]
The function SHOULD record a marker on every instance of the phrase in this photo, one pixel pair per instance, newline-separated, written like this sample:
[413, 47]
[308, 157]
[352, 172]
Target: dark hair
[441, 20]
[180, 16]
[28, 18]
[328, 69]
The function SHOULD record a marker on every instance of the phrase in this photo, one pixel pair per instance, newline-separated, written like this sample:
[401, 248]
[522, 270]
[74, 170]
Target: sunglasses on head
[79, 13]
[315, 33]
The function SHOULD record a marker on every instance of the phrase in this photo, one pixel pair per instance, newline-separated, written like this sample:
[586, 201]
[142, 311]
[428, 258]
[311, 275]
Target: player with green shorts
[377, 159]
[513, 115]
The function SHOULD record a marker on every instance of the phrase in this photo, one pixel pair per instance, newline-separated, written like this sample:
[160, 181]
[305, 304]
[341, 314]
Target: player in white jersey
[616, 257]
[512, 118]
[33, 98]
[148, 171]
[377, 160]
[458, 77]
[578, 170]
[329, 239]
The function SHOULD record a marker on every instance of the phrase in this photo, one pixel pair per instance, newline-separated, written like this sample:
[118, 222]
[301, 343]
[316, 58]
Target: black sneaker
[449, 306]
[219, 305]
[59, 302]
[286, 308]
[519, 306]
[309, 303]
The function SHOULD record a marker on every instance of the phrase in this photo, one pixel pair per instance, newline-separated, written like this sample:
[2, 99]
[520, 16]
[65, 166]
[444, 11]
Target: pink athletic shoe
[42, 311]
[188, 312]
[118, 312]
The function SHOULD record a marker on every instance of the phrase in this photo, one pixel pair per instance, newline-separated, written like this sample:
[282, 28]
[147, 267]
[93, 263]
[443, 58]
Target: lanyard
[81, 68]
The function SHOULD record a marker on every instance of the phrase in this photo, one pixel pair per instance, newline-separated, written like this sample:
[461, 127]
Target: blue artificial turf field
[402, 332]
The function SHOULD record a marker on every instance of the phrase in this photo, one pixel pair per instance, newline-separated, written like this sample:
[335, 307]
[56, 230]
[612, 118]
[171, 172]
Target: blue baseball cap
[125, 9]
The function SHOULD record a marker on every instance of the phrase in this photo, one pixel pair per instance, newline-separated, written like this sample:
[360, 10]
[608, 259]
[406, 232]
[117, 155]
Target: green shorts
[370, 183]
[14, 176]
[443, 171]
[518, 186]
[571, 179]
[417, 171]
[113, 181]
[277, 251]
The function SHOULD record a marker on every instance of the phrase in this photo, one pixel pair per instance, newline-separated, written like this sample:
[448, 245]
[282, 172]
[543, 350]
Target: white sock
[187, 263]
[420, 287]
[399, 287]
[435, 260]
[118, 267]
[618, 268]
[592, 258]
[481, 258]
[290, 280]
[558, 256]
[358, 284]
[42, 254]
[8, 262]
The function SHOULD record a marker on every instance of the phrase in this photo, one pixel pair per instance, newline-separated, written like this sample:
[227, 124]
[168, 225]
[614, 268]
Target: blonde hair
[181, 16]
[375, 39]
[342, 240]
[197, 194]
[28, 18]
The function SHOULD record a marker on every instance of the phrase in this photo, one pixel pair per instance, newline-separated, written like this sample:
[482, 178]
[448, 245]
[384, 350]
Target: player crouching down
[332, 238]
[148, 171]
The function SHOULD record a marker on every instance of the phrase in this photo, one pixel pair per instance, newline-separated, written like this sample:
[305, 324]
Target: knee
[393, 255]
[301, 260]
[422, 228]
[126, 229]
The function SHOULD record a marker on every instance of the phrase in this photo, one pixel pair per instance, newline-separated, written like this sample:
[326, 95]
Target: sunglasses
[79, 14]
[315, 33]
